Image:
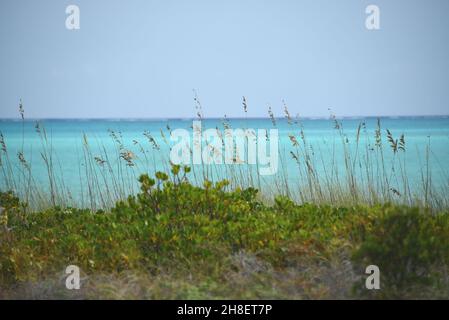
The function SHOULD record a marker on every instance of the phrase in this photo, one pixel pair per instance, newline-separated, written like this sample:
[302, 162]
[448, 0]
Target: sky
[147, 58]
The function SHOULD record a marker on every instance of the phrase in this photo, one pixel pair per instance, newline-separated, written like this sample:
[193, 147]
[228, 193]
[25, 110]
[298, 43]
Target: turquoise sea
[426, 152]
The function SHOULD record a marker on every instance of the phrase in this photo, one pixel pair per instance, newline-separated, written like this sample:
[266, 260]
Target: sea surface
[112, 140]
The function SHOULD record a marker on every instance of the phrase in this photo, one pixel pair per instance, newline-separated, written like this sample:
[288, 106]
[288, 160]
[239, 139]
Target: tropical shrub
[411, 248]
[227, 242]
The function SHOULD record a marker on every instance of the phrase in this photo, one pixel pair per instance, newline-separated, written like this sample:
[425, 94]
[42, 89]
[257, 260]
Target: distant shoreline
[18, 119]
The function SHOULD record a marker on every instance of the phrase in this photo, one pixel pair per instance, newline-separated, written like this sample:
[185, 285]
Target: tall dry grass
[368, 176]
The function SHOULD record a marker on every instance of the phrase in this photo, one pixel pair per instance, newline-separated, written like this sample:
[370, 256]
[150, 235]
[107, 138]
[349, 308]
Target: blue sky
[134, 59]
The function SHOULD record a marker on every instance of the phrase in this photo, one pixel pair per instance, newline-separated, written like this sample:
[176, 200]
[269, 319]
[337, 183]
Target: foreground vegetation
[178, 240]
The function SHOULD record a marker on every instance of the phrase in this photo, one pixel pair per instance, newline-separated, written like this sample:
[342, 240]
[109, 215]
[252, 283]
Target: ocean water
[426, 152]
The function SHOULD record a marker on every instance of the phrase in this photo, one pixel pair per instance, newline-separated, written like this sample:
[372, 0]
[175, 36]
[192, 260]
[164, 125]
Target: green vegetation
[178, 240]
[189, 233]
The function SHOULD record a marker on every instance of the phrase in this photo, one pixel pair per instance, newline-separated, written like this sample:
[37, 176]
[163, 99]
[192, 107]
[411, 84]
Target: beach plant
[411, 248]
[362, 167]
[218, 237]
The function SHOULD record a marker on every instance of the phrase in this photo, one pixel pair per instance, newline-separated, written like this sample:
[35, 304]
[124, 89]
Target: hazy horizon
[131, 119]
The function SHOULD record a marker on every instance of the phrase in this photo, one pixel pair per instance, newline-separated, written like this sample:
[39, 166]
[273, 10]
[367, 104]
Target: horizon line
[347, 117]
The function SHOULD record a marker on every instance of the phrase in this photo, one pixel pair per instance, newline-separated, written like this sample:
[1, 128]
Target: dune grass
[374, 171]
